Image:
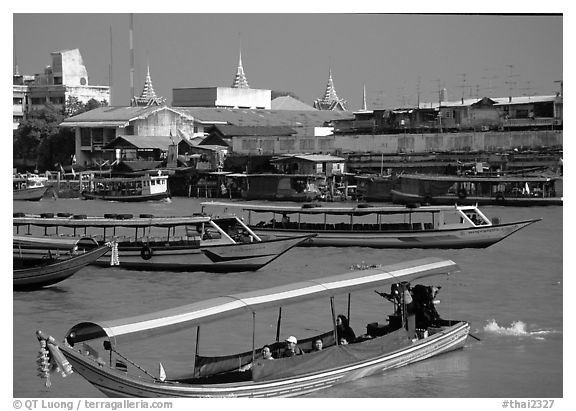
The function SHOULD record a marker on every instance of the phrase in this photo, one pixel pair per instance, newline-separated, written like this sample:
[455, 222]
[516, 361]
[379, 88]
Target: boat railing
[416, 226]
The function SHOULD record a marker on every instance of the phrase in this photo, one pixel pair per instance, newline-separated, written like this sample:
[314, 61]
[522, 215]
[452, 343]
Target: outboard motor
[423, 300]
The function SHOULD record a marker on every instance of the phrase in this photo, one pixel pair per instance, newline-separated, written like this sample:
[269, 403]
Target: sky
[400, 58]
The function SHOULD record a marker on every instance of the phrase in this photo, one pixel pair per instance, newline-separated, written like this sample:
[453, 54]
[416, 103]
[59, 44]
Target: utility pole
[439, 106]
[463, 86]
[510, 82]
[133, 93]
[110, 68]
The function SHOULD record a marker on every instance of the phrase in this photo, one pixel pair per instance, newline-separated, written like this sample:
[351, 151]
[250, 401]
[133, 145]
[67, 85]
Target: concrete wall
[222, 97]
[472, 141]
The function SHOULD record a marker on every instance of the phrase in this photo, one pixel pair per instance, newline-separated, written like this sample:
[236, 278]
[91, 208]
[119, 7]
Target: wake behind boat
[414, 332]
[380, 227]
[194, 243]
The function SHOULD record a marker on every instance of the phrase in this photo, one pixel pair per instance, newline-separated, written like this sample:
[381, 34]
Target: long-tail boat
[57, 264]
[365, 225]
[413, 332]
[146, 242]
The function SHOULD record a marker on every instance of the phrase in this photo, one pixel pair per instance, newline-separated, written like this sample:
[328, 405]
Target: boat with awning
[414, 332]
[171, 243]
[367, 225]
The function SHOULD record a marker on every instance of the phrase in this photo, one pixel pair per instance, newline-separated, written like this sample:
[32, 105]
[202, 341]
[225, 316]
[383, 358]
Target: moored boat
[365, 225]
[414, 332]
[29, 187]
[60, 261]
[512, 190]
[195, 243]
[128, 189]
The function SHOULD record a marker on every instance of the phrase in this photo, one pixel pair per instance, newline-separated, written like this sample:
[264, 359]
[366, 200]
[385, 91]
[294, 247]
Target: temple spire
[330, 101]
[148, 96]
[240, 80]
[364, 105]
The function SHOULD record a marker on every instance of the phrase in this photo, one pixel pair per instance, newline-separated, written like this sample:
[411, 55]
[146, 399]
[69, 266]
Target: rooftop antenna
[132, 92]
[510, 82]
[561, 86]
[439, 105]
[527, 89]
[463, 86]
[418, 92]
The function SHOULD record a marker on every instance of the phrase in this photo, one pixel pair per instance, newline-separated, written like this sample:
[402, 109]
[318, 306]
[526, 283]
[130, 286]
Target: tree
[41, 139]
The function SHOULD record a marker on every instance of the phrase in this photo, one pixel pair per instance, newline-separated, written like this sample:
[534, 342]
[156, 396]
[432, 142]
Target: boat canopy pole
[222, 232]
[278, 324]
[253, 336]
[334, 320]
[349, 307]
[196, 349]
[252, 233]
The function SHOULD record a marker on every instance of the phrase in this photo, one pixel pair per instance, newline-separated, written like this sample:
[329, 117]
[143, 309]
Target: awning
[202, 312]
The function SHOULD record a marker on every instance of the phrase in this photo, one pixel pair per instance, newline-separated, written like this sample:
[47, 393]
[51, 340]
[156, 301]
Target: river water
[511, 293]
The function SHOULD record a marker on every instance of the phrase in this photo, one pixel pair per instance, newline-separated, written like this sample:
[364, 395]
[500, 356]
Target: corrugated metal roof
[142, 142]
[115, 115]
[500, 101]
[316, 158]
[258, 117]
[289, 103]
[233, 130]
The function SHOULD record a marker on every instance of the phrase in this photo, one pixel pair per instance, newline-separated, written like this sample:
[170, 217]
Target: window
[307, 144]
[109, 135]
[17, 100]
[37, 100]
[287, 144]
[57, 100]
[249, 144]
[85, 137]
[97, 136]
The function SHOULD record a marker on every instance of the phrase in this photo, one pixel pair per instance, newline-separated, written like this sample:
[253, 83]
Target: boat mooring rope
[133, 363]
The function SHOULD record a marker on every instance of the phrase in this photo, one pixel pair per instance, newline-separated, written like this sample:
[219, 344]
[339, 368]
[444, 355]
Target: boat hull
[400, 197]
[49, 274]
[131, 198]
[115, 383]
[211, 258]
[470, 237]
[29, 194]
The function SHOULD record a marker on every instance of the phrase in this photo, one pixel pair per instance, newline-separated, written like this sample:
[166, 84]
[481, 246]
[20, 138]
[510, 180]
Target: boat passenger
[343, 329]
[291, 348]
[317, 345]
[343, 341]
[266, 355]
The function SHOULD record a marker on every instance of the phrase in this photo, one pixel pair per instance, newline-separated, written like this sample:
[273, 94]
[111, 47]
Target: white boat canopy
[361, 209]
[110, 222]
[186, 316]
[51, 243]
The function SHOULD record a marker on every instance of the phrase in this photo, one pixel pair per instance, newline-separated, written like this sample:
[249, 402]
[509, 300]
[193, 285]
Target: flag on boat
[161, 372]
